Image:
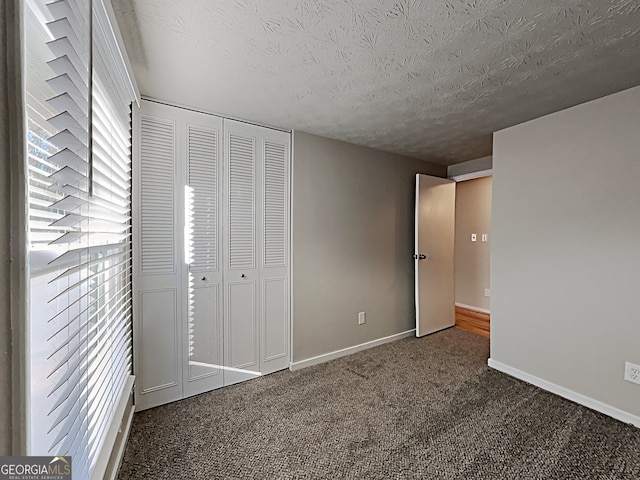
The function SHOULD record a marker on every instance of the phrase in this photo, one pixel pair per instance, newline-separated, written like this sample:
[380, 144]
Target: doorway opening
[472, 255]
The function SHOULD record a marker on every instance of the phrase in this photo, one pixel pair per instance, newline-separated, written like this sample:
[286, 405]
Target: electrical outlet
[632, 373]
[487, 292]
[362, 318]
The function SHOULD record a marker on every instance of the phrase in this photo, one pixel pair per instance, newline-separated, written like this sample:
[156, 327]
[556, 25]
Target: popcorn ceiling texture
[423, 78]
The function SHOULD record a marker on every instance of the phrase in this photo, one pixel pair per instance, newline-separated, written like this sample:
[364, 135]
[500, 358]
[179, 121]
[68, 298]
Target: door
[203, 331]
[157, 285]
[241, 253]
[434, 253]
[177, 208]
[211, 252]
[256, 280]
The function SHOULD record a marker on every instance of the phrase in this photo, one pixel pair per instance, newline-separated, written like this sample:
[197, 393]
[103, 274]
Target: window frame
[15, 163]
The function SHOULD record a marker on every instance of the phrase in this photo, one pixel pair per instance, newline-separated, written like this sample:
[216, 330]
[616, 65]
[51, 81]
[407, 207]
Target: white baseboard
[348, 351]
[578, 398]
[471, 307]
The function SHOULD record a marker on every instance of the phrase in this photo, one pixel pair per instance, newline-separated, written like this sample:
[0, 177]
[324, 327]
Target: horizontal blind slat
[89, 215]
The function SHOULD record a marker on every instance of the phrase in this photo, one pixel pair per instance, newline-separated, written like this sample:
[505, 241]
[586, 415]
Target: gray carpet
[415, 408]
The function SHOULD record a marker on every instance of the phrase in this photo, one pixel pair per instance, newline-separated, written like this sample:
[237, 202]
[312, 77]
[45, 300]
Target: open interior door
[434, 243]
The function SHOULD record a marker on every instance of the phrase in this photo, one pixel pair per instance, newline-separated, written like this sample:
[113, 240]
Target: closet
[211, 252]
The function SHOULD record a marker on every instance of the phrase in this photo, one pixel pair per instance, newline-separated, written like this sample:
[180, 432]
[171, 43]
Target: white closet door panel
[158, 305]
[159, 376]
[242, 204]
[242, 329]
[242, 360]
[274, 271]
[275, 334]
[204, 359]
[203, 337]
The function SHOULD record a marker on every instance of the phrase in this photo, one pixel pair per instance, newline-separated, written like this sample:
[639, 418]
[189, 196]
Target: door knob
[204, 278]
[242, 275]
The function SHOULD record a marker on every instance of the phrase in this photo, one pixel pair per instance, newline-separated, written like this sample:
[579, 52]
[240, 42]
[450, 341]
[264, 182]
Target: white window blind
[80, 229]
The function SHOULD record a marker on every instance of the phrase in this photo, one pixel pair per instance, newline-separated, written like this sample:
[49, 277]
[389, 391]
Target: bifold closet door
[177, 253]
[211, 252]
[158, 297]
[203, 358]
[256, 221]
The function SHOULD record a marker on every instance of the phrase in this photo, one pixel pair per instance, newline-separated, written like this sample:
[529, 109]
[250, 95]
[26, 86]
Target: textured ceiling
[430, 79]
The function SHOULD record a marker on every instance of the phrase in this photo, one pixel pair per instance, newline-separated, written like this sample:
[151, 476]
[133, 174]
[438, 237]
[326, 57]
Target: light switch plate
[474, 237]
[484, 237]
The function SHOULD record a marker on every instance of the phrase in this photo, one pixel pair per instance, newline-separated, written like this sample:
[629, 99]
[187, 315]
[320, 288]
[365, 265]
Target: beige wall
[353, 210]
[473, 215]
[565, 257]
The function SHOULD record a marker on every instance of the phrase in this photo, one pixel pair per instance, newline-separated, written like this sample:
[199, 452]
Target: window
[79, 96]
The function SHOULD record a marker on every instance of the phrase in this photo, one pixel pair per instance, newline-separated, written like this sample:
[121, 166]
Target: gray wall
[353, 211]
[473, 215]
[565, 257]
[12, 235]
[5, 318]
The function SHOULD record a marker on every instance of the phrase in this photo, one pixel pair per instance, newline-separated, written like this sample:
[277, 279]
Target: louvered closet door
[203, 343]
[158, 296]
[274, 271]
[178, 249]
[211, 252]
[241, 253]
[256, 251]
